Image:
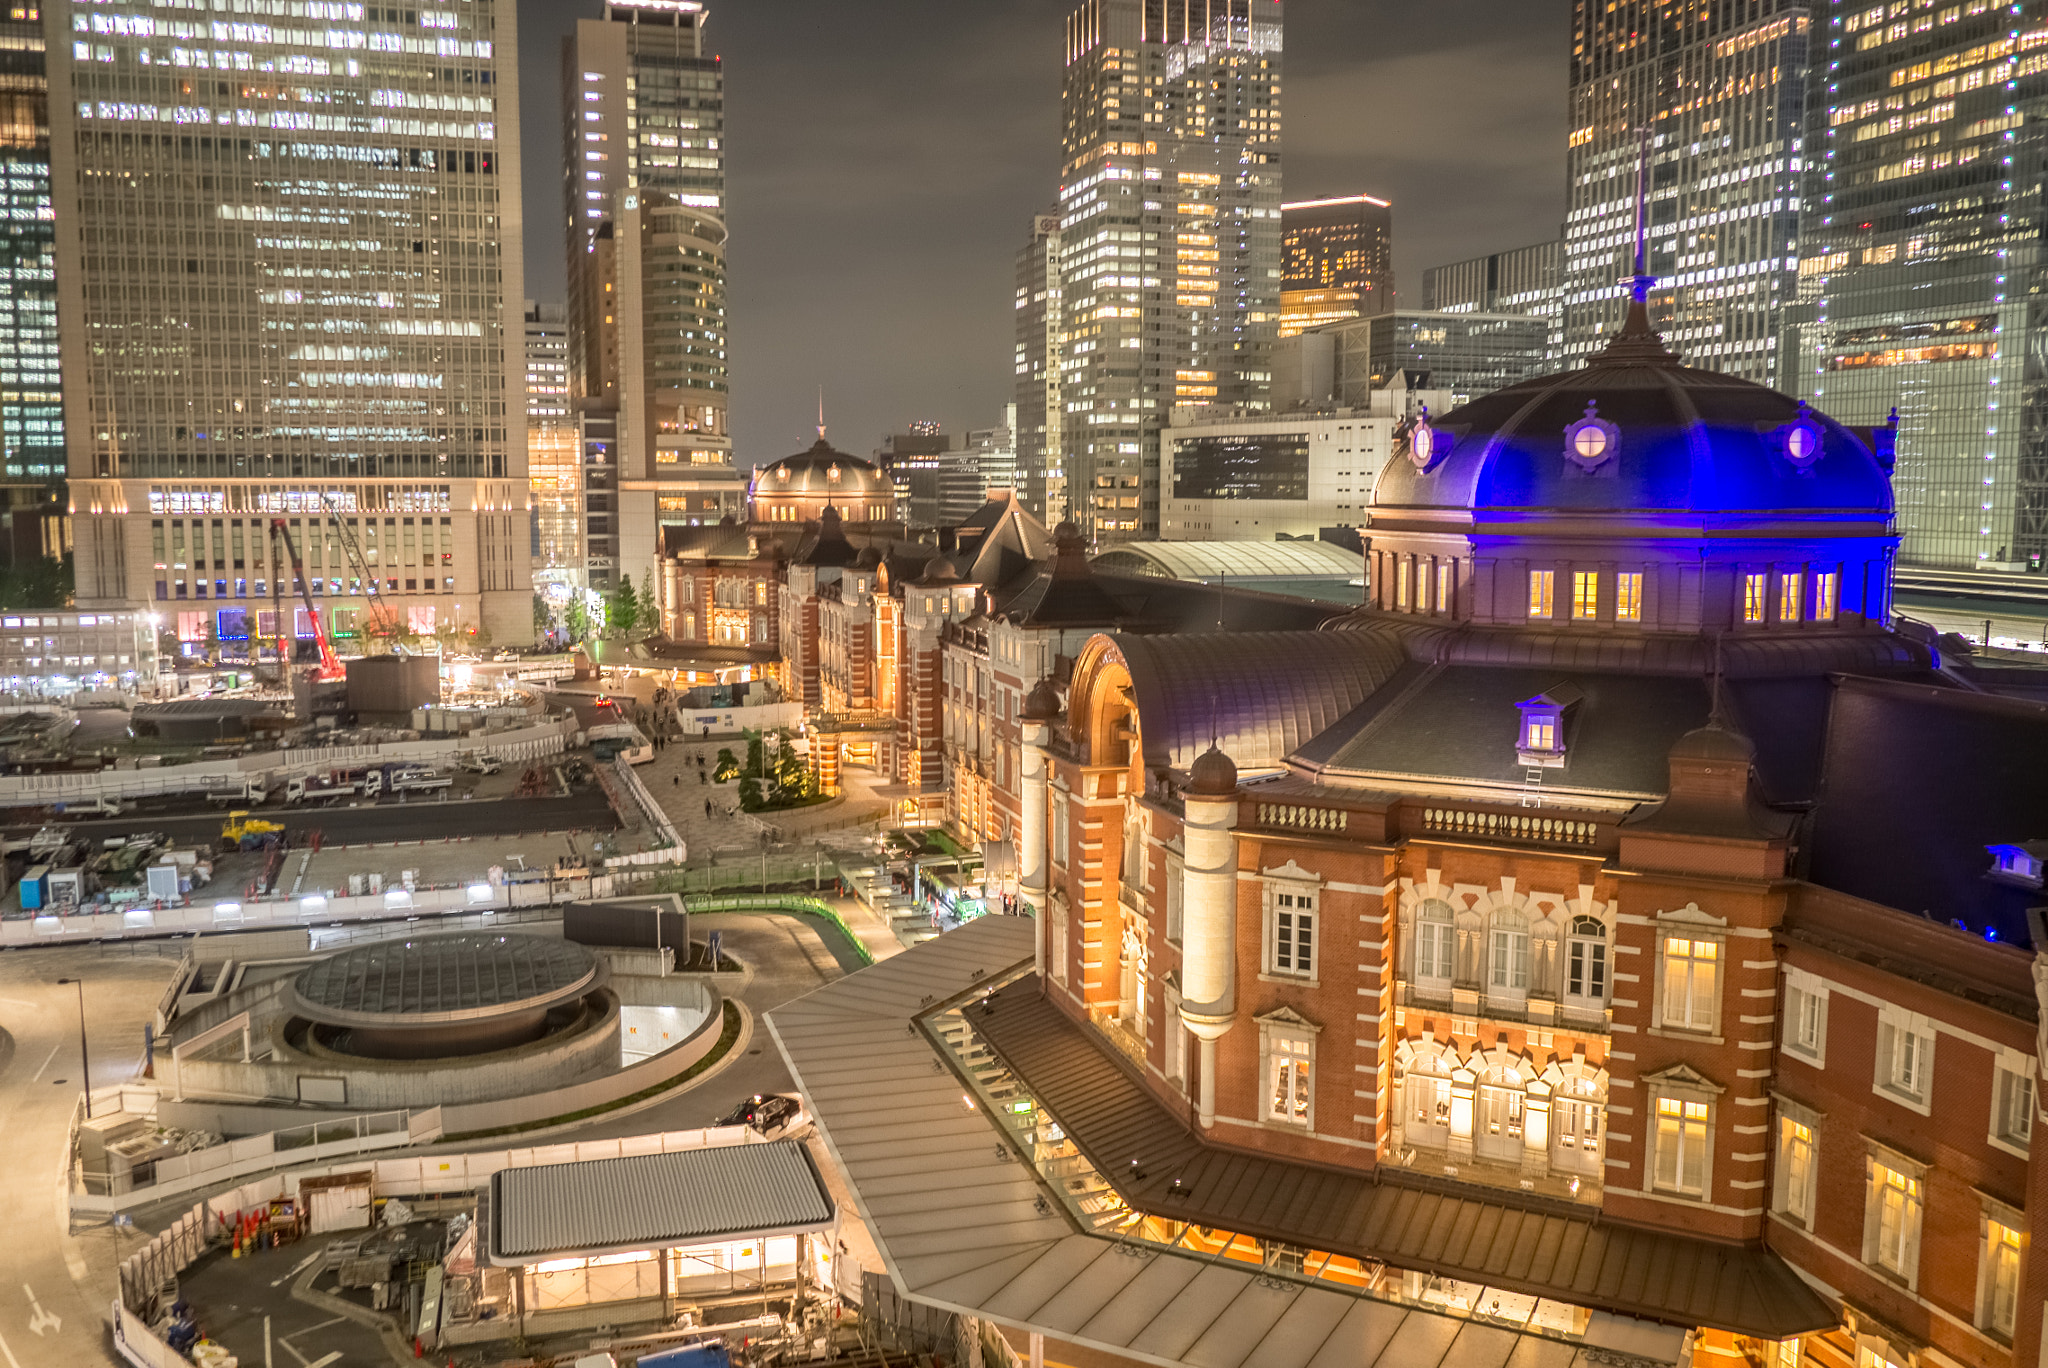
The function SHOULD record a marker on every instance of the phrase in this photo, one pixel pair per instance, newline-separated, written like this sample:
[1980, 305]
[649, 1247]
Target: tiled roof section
[1534, 1247]
[1260, 694]
[1460, 722]
[1916, 783]
[647, 1201]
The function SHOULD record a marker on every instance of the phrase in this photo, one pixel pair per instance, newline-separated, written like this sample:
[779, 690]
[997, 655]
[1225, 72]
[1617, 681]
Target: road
[55, 1286]
[412, 820]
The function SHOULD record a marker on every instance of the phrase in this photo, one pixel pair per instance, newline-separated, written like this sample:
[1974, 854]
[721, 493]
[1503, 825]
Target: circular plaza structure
[444, 996]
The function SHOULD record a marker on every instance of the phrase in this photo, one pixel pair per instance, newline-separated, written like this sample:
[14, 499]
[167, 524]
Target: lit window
[1999, 1278]
[1542, 585]
[1891, 1222]
[1793, 1186]
[1753, 588]
[1681, 1146]
[1585, 969]
[1691, 983]
[1443, 587]
[1540, 734]
[1291, 944]
[1290, 1067]
[1824, 596]
[1401, 564]
[1585, 593]
[1788, 598]
[1628, 596]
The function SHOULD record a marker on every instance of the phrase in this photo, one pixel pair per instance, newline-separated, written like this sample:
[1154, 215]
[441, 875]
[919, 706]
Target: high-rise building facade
[1719, 91]
[289, 282]
[644, 197]
[1041, 476]
[32, 518]
[1921, 265]
[554, 465]
[1336, 261]
[1169, 235]
[1522, 280]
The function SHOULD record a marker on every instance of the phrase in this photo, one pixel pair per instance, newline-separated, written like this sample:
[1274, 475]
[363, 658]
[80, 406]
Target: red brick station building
[1610, 944]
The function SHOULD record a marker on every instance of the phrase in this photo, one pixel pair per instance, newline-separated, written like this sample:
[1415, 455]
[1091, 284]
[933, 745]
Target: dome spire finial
[1637, 344]
[1640, 283]
[821, 413]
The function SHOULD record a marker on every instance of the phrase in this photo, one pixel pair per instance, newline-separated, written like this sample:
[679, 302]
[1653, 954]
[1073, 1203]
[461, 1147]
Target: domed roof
[1213, 775]
[822, 471]
[1043, 703]
[1633, 430]
[939, 570]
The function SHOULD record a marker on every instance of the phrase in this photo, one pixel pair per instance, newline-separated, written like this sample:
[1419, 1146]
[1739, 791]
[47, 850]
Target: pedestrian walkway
[673, 778]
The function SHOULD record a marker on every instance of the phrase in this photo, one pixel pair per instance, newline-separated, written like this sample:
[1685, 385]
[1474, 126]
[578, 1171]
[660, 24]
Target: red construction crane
[330, 663]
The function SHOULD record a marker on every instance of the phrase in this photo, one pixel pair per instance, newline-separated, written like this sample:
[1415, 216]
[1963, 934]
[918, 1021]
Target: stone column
[1209, 913]
[1536, 1128]
[1034, 861]
[1464, 1108]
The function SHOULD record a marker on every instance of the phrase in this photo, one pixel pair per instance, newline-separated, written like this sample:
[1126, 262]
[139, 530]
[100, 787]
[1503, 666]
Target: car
[774, 1115]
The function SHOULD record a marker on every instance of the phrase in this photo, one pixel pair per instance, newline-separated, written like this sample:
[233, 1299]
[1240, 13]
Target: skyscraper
[1720, 90]
[290, 286]
[1921, 263]
[1041, 475]
[1336, 261]
[554, 465]
[32, 520]
[644, 196]
[1169, 235]
[1522, 280]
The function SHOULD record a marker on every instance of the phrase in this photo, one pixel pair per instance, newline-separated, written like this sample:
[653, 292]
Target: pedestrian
[676, 779]
[707, 807]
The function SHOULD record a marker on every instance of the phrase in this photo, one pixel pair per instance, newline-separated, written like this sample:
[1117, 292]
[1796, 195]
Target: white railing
[314, 909]
[36, 790]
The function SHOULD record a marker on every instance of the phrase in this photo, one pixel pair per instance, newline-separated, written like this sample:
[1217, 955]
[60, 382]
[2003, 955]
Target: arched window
[1497, 1130]
[1585, 963]
[1435, 946]
[1507, 955]
[1426, 1116]
[1577, 1111]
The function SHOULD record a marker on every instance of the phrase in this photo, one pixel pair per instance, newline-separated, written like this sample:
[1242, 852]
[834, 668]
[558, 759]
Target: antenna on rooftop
[1640, 282]
[821, 413]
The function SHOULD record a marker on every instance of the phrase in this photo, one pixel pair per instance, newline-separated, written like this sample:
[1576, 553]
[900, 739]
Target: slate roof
[1259, 694]
[1532, 1246]
[1460, 722]
[654, 1201]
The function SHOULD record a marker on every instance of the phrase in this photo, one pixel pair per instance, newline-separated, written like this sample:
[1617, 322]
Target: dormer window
[2015, 864]
[1540, 740]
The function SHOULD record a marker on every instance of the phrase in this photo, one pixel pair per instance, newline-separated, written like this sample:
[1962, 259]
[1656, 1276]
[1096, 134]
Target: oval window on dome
[1592, 441]
[782, 474]
[1802, 444]
[832, 473]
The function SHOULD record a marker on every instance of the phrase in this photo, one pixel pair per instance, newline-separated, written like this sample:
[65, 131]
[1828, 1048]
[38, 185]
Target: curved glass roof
[1247, 560]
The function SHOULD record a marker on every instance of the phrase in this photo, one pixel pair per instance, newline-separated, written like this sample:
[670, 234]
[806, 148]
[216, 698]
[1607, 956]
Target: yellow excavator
[243, 832]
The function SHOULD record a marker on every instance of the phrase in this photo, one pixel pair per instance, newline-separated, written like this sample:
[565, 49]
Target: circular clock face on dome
[1425, 444]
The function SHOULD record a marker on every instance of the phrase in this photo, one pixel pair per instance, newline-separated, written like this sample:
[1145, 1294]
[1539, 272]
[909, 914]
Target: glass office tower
[1169, 235]
[1921, 265]
[1336, 261]
[1041, 478]
[1720, 89]
[290, 286]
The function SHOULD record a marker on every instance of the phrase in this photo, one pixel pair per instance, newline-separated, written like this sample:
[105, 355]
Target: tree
[750, 794]
[543, 620]
[727, 768]
[576, 622]
[650, 606]
[42, 583]
[625, 607]
[794, 782]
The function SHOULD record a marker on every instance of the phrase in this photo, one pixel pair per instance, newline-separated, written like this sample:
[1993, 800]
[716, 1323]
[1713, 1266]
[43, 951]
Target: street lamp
[84, 1059]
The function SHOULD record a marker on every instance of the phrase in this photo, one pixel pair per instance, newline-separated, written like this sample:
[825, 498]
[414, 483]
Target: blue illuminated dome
[1635, 431]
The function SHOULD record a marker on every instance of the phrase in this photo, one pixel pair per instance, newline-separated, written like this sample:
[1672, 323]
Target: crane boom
[381, 613]
[330, 663]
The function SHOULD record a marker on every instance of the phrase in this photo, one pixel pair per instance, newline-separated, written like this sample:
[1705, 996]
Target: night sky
[884, 159]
